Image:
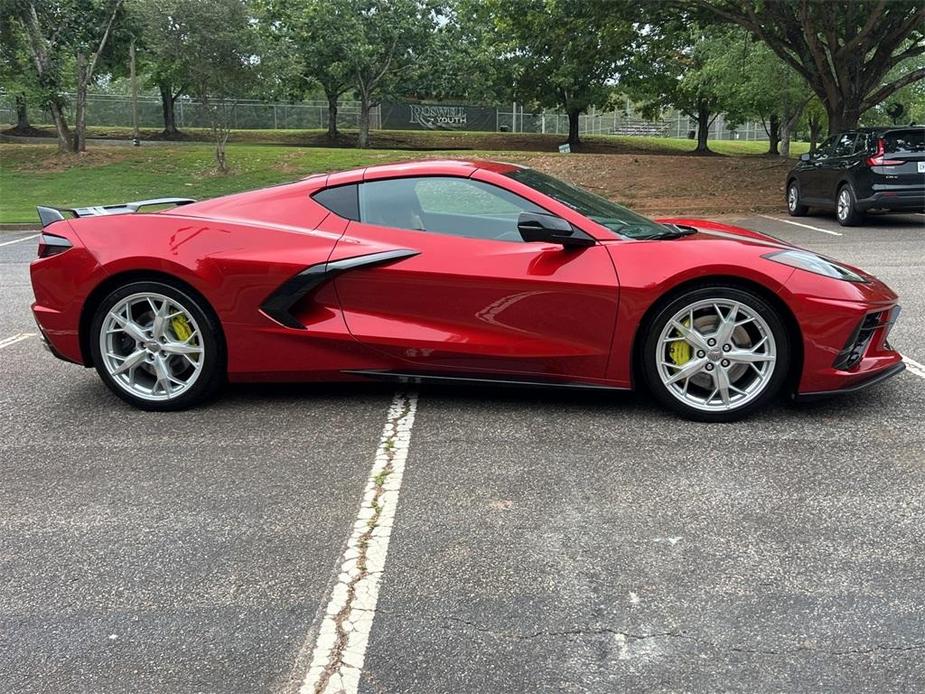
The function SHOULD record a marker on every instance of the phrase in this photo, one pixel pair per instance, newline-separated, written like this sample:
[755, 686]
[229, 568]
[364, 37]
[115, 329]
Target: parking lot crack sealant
[340, 648]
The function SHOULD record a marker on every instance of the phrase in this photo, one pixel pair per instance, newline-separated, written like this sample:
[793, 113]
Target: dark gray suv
[865, 169]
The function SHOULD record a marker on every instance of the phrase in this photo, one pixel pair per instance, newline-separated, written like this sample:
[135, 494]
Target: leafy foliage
[844, 49]
[555, 52]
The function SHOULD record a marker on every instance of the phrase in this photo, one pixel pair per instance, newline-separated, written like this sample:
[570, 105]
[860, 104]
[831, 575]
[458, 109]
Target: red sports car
[451, 271]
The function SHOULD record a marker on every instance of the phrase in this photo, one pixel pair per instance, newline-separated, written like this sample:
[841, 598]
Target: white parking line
[913, 367]
[6, 342]
[24, 238]
[798, 224]
[340, 648]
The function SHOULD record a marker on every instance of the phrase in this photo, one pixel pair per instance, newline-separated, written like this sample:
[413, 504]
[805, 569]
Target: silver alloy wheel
[716, 355]
[793, 197]
[844, 204]
[152, 346]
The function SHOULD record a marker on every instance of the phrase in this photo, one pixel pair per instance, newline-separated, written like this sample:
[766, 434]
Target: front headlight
[811, 262]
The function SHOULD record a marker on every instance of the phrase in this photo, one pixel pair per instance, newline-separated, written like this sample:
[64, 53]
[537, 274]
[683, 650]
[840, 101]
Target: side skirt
[486, 380]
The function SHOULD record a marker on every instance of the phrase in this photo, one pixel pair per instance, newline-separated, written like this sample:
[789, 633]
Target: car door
[843, 157]
[812, 178]
[468, 294]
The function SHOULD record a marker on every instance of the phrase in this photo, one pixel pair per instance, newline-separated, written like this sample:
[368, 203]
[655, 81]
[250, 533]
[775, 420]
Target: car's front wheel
[156, 346]
[716, 354]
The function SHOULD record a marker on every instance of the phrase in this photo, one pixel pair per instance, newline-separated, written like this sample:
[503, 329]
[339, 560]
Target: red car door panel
[479, 305]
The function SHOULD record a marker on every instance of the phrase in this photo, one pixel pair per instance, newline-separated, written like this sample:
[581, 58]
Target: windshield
[608, 214]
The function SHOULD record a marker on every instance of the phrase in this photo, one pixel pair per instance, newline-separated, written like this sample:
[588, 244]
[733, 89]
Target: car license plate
[922, 167]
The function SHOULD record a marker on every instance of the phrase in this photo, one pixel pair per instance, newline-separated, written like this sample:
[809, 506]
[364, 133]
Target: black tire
[794, 205]
[651, 352]
[213, 370]
[849, 215]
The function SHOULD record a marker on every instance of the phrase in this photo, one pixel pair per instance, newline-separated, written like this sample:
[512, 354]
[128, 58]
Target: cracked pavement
[576, 542]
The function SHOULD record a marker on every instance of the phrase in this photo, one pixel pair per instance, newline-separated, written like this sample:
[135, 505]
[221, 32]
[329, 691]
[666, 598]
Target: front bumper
[867, 382]
[845, 328]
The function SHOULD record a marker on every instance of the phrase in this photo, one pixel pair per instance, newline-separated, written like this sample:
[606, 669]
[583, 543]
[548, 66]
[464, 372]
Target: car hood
[707, 230]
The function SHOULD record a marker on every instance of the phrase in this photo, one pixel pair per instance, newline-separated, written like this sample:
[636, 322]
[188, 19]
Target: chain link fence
[116, 110]
[625, 121]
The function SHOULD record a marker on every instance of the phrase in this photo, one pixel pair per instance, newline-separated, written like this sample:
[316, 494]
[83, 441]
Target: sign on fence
[414, 116]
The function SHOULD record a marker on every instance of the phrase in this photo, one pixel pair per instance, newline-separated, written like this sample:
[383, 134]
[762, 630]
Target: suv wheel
[794, 206]
[846, 207]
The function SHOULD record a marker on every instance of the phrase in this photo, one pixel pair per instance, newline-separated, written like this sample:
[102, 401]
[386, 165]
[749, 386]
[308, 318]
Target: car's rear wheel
[157, 347]
[794, 205]
[716, 354]
[846, 207]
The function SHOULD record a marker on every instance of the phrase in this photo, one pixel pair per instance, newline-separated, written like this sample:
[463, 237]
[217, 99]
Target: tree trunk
[80, 106]
[774, 134]
[22, 114]
[168, 103]
[842, 116]
[574, 139]
[221, 159]
[815, 127]
[703, 126]
[61, 129]
[332, 115]
[786, 128]
[220, 120]
[365, 106]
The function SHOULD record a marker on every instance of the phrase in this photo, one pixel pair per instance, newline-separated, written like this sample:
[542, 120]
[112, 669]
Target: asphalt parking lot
[541, 542]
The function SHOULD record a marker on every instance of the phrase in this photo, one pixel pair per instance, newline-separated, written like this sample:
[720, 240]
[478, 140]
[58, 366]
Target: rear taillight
[50, 245]
[877, 158]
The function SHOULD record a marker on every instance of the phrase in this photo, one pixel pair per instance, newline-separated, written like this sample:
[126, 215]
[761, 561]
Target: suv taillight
[877, 158]
[50, 245]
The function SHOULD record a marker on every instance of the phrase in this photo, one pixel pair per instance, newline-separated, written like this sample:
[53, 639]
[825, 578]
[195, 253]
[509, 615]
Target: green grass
[31, 175]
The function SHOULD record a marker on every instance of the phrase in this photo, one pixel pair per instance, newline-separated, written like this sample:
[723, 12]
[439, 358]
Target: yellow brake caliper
[181, 328]
[680, 351]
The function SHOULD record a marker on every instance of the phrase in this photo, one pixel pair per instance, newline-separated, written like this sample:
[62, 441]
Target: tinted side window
[444, 205]
[825, 149]
[341, 200]
[844, 145]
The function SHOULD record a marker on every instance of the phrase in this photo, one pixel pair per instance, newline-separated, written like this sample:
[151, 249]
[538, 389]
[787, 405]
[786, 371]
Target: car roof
[889, 128]
[424, 167]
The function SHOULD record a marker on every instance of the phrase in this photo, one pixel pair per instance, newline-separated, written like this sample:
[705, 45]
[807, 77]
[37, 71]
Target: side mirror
[547, 228]
[806, 157]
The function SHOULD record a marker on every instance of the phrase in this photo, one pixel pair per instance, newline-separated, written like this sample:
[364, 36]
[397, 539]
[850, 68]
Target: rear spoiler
[48, 215]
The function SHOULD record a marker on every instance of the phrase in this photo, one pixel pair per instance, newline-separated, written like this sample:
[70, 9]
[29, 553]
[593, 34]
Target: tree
[814, 119]
[842, 48]
[315, 35]
[386, 39]
[67, 34]
[684, 65]
[218, 42]
[558, 53]
[166, 67]
[765, 88]
[16, 78]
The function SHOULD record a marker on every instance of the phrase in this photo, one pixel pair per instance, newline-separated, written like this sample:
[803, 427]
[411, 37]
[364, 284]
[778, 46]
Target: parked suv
[860, 170]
